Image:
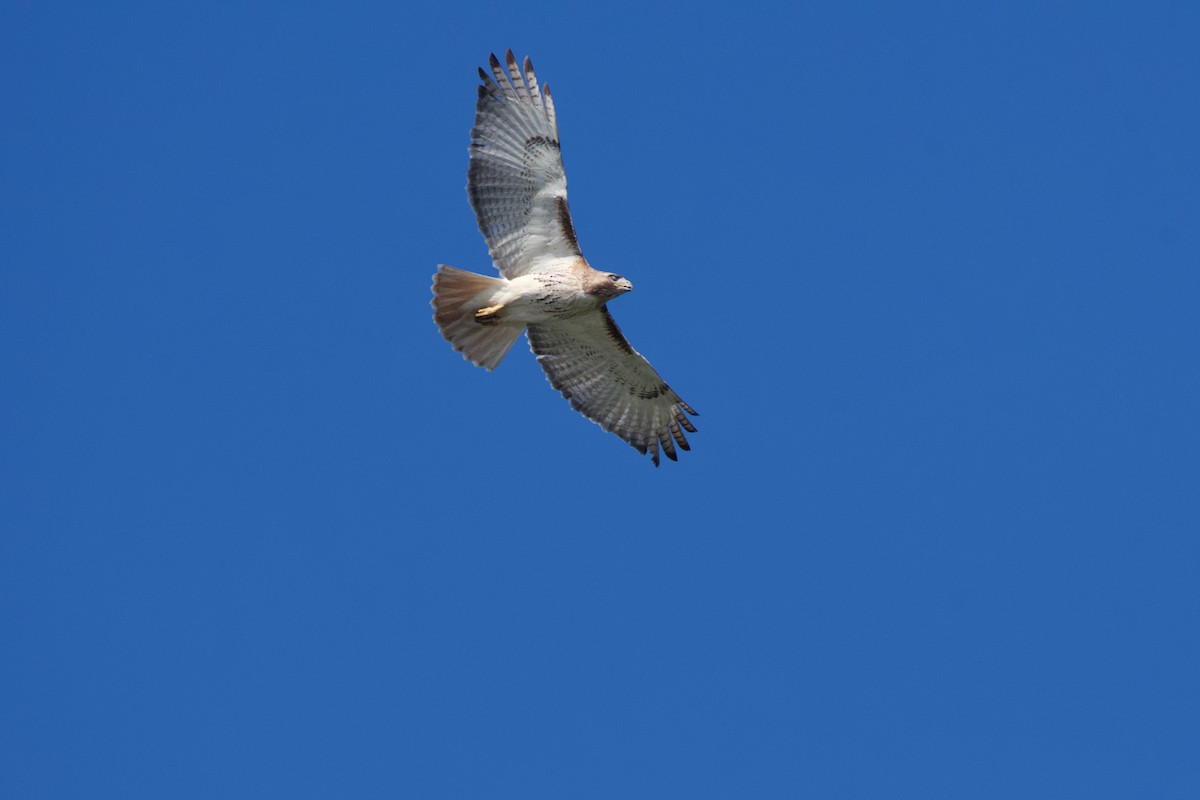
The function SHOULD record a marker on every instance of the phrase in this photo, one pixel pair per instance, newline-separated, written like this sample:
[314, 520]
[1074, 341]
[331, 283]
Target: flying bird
[518, 189]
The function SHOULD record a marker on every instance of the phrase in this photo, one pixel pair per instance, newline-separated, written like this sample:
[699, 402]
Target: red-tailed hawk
[519, 192]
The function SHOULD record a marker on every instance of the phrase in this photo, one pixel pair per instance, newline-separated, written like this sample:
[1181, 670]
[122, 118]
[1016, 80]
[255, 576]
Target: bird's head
[613, 285]
[621, 283]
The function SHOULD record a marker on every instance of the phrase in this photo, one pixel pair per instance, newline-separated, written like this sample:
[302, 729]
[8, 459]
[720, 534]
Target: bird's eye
[614, 277]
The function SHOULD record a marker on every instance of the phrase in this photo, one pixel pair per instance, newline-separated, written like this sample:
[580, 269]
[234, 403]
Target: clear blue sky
[930, 273]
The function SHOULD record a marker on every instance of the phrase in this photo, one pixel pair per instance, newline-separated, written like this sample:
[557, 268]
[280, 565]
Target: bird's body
[546, 287]
[541, 297]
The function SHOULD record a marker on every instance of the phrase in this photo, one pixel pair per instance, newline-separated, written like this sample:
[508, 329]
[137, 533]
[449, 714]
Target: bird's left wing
[516, 180]
[588, 359]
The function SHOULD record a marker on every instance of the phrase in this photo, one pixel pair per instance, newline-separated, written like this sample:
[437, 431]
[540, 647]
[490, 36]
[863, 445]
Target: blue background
[929, 273]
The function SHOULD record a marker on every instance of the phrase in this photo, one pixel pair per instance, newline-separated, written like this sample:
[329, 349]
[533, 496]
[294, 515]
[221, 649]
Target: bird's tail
[457, 295]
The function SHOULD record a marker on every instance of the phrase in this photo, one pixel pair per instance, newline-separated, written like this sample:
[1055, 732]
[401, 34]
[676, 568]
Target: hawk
[518, 189]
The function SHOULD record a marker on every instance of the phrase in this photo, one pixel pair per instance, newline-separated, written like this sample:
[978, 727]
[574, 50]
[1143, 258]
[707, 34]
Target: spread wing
[516, 181]
[588, 359]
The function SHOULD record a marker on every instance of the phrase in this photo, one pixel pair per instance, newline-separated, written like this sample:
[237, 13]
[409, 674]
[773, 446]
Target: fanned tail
[457, 295]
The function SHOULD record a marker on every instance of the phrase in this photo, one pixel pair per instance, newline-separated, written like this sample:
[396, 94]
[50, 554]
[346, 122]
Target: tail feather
[457, 295]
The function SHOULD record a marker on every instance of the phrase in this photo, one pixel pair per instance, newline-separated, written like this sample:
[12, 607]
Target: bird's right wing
[516, 180]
